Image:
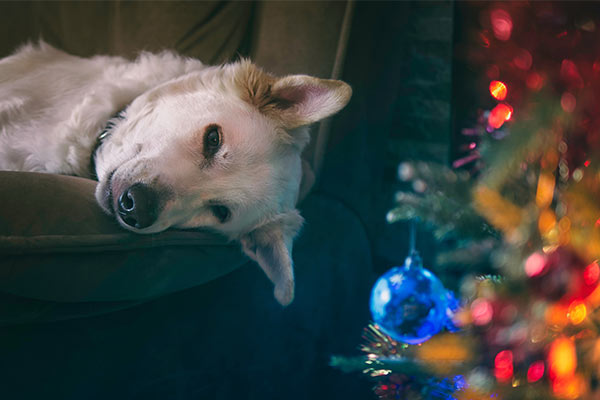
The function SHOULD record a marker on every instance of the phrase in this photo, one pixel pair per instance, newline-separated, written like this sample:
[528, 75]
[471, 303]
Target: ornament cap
[413, 260]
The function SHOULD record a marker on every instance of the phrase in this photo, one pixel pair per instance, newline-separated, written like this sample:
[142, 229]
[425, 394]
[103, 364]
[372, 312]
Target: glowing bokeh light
[481, 311]
[546, 221]
[591, 273]
[545, 189]
[536, 371]
[534, 81]
[577, 312]
[556, 314]
[501, 24]
[498, 90]
[571, 387]
[570, 73]
[568, 102]
[499, 114]
[534, 265]
[493, 72]
[562, 359]
[523, 60]
[503, 366]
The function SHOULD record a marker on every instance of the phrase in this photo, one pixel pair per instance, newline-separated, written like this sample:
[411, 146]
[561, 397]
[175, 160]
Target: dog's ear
[300, 99]
[293, 100]
[270, 245]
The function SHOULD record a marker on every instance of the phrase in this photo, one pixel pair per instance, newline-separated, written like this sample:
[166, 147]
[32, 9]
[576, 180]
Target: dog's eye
[221, 212]
[212, 140]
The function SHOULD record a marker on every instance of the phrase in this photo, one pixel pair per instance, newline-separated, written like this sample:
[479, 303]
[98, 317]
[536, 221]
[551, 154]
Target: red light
[484, 40]
[591, 273]
[535, 371]
[481, 311]
[568, 102]
[534, 81]
[503, 364]
[523, 60]
[493, 72]
[500, 113]
[534, 265]
[501, 24]
[586, 163]
[570, 73]
[498, 90]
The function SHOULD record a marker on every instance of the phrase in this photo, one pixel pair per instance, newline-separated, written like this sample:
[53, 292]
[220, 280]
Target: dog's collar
[104, 134]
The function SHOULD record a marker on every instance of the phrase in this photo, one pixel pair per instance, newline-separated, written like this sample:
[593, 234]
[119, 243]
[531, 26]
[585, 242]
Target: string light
[577, 312]
[535, 371]
[591, 273]
[503, 366]
[498, 90]
[501, 24]
[562, 359]
[535, 264]
[499, 114]
[481, 311]
[568, 102]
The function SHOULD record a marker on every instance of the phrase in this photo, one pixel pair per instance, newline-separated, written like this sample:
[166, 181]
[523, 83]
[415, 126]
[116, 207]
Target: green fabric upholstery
[56, 244]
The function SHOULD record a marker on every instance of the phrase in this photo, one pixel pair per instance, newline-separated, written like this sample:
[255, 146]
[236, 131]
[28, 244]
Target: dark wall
[399, 64]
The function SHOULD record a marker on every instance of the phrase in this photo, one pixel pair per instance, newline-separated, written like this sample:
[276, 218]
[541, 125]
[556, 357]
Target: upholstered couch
[90, 311]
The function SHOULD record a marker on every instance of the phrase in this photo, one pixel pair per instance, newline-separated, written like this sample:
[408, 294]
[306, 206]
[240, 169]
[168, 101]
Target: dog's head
[219, 149]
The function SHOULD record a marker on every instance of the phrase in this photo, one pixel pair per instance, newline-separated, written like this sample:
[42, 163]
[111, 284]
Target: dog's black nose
[138, 206]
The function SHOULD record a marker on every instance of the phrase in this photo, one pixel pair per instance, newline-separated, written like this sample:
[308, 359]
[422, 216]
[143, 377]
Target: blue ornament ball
[409, 303]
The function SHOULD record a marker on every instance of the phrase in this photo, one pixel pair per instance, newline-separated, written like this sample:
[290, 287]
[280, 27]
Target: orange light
[498, 90]
[577, 312]
[546, 221]
[503, 366]
[545, 189]
[571, 387]
[556, 314]
[562, 359]
[499, 114]
[594, 298]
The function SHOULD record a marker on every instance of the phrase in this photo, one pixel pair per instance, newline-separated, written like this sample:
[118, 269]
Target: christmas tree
[521, 204]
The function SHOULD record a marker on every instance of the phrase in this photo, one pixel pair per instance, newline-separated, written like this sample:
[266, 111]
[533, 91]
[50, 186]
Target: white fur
[54, 105]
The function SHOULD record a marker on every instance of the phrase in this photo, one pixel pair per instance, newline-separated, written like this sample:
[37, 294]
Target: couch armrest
[56, 244]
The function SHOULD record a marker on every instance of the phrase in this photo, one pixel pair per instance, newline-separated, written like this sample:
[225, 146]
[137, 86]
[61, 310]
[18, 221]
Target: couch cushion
[52, 228]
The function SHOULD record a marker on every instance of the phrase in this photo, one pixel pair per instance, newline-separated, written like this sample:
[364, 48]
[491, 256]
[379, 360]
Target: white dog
[173, 142]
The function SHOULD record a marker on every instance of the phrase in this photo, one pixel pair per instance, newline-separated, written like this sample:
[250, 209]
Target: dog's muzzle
[138, 206]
